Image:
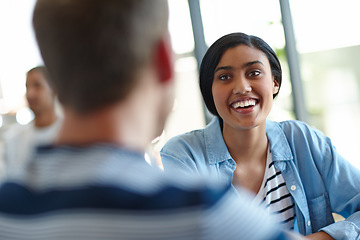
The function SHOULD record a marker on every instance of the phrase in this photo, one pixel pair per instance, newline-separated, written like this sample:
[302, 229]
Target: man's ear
[164, 60]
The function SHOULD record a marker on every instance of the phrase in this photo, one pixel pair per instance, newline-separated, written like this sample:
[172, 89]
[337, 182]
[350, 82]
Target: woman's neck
[246, 144]
[248, 148]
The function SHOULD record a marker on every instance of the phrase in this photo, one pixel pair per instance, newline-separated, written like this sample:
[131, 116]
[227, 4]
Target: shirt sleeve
[180, 157]
[342, 181]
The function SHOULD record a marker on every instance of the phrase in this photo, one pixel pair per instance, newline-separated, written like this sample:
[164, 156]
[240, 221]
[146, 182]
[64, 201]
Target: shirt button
[309, 223]
[293, 188]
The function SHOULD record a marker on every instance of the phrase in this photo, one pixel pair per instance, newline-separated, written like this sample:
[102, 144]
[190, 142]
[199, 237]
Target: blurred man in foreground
[110, 62]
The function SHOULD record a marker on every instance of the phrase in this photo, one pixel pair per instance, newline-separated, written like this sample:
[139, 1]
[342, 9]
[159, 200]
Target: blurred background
[317, 42]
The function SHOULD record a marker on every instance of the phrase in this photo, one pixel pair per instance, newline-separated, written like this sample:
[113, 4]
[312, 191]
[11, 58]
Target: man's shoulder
[16, 129]
[105, 196]
[108, 176]
[182, 212]
[99, 189]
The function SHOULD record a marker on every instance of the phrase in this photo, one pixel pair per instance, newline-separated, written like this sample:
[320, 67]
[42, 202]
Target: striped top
[275, 196]
[104, 192]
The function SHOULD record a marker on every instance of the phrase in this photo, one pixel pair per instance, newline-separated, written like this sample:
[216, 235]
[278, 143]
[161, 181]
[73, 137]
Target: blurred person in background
[20, 141]
[111, 64]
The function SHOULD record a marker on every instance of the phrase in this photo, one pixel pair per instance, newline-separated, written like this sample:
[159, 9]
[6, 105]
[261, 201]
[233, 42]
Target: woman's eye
[254, 73]
[224, 77]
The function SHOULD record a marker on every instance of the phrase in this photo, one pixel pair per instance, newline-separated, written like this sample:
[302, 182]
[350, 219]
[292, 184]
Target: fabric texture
[319, 179]
[21, 140]
[274, 196]
[105, 192]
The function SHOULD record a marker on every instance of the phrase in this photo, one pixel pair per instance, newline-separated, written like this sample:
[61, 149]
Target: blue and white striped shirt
[105, 192]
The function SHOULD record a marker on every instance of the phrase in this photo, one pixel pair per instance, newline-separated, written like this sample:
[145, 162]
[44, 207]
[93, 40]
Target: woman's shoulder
[291, 125]
[191, 138]
[295, 129]
[195, 138]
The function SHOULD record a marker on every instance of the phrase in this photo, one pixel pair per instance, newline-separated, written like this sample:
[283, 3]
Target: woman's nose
[241, 86]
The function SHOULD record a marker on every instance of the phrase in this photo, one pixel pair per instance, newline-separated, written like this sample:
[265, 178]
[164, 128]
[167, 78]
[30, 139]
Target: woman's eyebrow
[224, 68]
[243, 66]
[252, 63]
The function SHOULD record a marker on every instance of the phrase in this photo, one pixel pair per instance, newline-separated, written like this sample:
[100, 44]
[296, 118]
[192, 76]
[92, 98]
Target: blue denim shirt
[320, 180]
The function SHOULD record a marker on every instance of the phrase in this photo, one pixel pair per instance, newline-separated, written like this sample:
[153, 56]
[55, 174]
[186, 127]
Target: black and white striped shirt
[275, 196]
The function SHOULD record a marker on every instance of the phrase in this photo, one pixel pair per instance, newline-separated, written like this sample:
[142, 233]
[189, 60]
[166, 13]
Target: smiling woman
[277, 161]
[243, 76]
[260, 63]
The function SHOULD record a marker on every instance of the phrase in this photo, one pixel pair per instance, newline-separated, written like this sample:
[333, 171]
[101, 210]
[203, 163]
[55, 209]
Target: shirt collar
[214, 142]
[217, 150]
[278, 141]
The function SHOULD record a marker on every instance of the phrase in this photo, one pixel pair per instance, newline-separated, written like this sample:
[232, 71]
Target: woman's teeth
[246, 103]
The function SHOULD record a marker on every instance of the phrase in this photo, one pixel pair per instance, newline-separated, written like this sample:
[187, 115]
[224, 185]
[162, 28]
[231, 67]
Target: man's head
[95, 50]
[39, 93]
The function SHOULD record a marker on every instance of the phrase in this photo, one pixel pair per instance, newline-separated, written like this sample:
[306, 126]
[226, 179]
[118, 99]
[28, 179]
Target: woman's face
[243, 87]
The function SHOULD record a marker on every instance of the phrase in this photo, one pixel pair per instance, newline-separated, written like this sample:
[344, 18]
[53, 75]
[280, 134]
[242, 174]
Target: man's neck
[45, 119]
[132, 122]
[111, 125]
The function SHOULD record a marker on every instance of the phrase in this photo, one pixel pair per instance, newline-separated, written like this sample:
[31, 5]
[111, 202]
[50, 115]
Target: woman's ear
[275, 86]
[164, 60]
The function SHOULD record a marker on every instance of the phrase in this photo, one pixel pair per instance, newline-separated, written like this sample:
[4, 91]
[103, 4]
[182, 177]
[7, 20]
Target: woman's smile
[244, 106]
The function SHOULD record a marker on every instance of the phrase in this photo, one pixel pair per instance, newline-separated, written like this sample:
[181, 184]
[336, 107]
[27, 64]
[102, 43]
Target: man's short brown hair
[94, 49]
